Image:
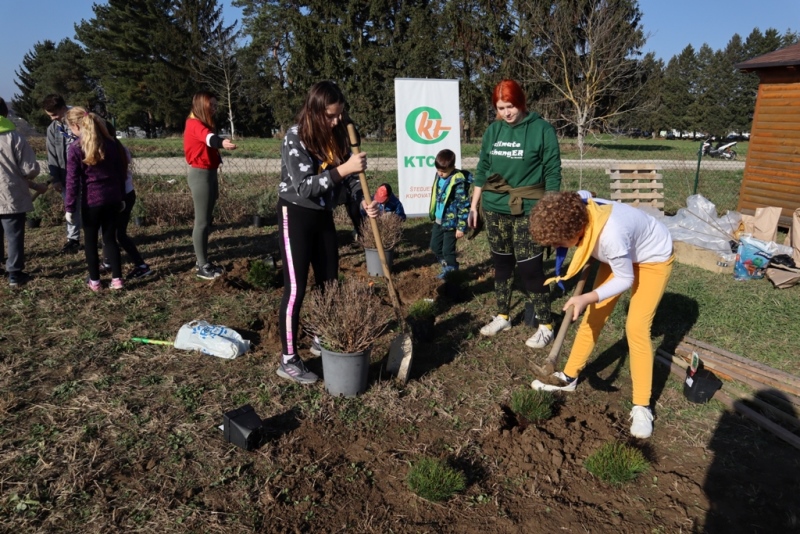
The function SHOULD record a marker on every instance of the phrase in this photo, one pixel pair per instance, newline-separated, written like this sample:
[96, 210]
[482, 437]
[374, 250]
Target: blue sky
[672, 24]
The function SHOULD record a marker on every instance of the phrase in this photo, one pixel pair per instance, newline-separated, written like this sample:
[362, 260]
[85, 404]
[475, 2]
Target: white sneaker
[542, 337]
[642, 425]
[498, 324]
[565, 384]
[315, 347]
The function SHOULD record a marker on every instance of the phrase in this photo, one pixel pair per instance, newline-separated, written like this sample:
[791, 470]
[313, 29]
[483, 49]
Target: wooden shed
[772, 168]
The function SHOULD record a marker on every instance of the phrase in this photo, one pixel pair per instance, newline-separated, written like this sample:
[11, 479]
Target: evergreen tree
[139, 53]
[678, 95]
[50, 68]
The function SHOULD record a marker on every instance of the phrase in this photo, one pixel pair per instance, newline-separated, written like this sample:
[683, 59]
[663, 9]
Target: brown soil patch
[96, 430]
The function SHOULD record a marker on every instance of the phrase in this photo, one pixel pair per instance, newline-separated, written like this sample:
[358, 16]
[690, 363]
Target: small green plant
[616, 463]
[139, 208]
[267, 202]
[421, 310]
[262, 274]
[434, 480]
[41, 207]
[533, 405]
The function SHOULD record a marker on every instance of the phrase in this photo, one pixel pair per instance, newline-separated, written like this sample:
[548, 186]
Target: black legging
[105, 218]
[123, 239]
[306, 237]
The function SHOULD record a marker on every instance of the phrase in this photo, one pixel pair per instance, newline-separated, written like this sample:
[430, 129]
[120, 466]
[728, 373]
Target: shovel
[552, 359]
[400, 350]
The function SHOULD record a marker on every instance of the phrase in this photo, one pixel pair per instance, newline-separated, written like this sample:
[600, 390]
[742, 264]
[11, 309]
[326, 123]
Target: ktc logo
[424, 126]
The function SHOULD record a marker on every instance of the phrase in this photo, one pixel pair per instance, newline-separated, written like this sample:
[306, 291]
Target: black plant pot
[258, 221]
[422, 329]
[33, 223]
[138, 221]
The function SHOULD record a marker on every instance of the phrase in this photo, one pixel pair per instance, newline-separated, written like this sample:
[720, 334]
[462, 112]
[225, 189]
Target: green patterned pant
[512, 245]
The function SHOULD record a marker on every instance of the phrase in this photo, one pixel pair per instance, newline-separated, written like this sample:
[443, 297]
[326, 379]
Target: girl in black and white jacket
[315, 163]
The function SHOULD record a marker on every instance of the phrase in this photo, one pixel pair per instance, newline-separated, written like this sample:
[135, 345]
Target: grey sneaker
[209, 271]
[296, 370]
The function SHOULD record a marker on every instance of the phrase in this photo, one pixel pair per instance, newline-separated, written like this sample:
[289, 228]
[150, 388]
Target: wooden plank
[637, 185]
[640, 167]
[616, 195]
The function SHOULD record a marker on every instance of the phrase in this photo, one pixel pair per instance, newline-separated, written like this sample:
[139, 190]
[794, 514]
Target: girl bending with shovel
[315, 162]
[635, 252]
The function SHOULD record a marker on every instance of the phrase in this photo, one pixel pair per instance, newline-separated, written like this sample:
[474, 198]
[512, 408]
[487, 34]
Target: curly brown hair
[558, 218]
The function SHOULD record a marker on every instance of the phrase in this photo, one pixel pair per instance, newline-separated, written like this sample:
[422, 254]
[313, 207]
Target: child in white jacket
[18, 168]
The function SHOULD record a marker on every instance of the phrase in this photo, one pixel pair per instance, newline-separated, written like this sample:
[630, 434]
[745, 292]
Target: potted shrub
[421, 316]
[265, 206]
[390, 228]
[347, 317]
[139, 212]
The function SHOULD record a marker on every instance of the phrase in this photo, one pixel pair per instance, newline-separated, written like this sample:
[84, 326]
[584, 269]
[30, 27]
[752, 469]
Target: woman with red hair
[519, 163]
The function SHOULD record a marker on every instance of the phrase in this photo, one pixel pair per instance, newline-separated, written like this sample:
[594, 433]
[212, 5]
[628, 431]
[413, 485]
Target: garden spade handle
[356, 148]
[552, 358]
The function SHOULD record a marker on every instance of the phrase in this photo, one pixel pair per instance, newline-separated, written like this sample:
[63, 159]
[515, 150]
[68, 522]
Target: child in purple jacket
[96, 170]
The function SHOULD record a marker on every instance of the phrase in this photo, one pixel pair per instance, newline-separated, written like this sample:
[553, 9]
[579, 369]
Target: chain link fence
[249, 179]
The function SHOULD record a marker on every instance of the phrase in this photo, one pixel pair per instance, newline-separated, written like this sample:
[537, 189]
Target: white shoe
[315, 347]
[642, 425]
[566, 385]
[498, 324]
[542, 337]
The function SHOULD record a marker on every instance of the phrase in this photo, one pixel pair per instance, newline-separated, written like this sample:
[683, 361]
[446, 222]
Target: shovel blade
[400, 355]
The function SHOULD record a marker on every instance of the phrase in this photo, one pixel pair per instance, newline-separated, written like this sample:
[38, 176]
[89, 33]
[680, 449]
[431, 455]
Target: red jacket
[195, 146]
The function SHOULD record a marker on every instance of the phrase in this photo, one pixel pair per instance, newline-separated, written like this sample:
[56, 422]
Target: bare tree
[581, 54]
[220, 71]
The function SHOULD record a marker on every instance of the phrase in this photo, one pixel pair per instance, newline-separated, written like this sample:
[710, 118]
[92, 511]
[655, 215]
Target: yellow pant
[650, 281]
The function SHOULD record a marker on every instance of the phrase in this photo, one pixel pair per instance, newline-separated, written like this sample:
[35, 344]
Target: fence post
[697, 173]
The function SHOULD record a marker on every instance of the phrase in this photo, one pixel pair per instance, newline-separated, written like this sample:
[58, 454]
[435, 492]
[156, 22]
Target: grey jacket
[57, 143]
[17, 166]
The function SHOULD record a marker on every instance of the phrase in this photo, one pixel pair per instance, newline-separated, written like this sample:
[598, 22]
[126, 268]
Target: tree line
[580, 61]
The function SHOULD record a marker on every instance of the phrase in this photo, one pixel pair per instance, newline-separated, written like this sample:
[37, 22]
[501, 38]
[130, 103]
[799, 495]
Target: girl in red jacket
[201, 147]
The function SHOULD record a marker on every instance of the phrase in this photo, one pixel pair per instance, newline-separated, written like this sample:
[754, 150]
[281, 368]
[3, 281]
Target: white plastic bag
[698, 224]
[216, 340]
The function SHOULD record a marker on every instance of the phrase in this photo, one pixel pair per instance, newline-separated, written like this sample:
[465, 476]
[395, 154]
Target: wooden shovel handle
[552, 358]
[356, 148]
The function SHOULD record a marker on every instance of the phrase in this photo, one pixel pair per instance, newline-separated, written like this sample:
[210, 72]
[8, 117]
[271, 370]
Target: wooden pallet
[637, 184]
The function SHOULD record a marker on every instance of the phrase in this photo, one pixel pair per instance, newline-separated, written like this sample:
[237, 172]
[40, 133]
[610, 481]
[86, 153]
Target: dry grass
[98, 434]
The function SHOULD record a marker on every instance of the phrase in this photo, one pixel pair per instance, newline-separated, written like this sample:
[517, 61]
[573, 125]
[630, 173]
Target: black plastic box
[701, 386]
[243, 427]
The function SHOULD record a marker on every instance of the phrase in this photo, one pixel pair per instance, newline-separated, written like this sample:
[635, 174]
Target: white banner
[428, 120]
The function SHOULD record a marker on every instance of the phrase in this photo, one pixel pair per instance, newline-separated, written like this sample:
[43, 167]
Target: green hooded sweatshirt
[524, 154]
[6, 125]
